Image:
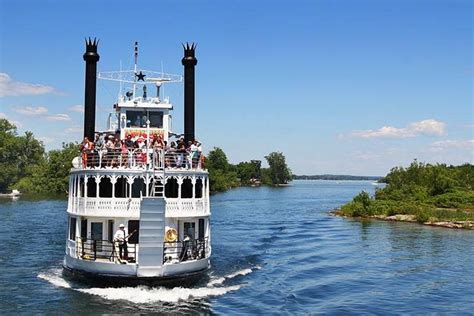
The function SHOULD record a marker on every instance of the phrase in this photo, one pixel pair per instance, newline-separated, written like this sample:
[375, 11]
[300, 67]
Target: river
[275, 251]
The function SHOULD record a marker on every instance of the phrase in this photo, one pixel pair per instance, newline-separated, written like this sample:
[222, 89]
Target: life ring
[171, 235]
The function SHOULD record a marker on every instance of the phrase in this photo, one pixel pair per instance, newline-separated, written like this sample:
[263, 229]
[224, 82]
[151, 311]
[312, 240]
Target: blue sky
[353, 87]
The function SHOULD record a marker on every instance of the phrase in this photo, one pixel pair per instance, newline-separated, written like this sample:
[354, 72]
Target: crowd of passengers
[111, 151]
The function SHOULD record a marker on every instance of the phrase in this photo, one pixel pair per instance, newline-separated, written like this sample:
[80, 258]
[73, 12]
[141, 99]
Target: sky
[342, 87]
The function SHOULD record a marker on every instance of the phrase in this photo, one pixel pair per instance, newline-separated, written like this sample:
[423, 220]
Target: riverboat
[141, 214]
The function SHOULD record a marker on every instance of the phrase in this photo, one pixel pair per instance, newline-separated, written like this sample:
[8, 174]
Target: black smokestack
[91, 57]
[189, 61]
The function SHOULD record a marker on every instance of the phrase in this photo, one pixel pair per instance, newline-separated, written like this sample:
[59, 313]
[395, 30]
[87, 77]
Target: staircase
[152, 227]
[152, 230]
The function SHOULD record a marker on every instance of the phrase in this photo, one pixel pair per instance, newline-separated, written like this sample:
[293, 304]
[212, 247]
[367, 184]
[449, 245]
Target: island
[429, 194]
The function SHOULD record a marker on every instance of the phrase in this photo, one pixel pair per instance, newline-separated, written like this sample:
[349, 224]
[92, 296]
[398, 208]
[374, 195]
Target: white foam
[221, 280]
[149, 295]
[143, 294]
[55, 278]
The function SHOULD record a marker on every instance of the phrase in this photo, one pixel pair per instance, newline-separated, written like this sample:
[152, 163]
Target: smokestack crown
[91, 50]
[189, 59]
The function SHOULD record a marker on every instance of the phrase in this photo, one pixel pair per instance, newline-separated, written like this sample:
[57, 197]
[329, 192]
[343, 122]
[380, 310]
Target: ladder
[158, 188]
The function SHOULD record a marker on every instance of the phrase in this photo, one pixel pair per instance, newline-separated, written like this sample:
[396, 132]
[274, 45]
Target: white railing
[139, 159]
[109, 207]
[130, 207]
[186, 207]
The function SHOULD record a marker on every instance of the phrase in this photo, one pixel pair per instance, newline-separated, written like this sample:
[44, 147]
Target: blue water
[275, 251]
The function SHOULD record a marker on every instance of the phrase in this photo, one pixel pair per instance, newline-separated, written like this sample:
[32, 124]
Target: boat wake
[145, 294]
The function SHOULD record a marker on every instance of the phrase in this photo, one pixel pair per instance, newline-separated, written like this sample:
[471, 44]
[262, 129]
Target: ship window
[189, 229]
[139, 118]
[84, 229]
[72, 228]
[136, 119]
[81, 187]
[96, 235]
[110, 231]
[133, 226]
[121, 188]
[198, 188]
[138, 188]
[186, 189]
[91, 187]
[105, 187]
[156, 119]
[171, 188]
[201, 228]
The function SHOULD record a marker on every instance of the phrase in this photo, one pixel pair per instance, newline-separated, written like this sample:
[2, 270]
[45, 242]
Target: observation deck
[113, 184]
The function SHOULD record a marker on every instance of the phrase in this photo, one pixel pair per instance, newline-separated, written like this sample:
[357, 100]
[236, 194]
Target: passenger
[110, 147]
[129, 142]
[99, 146]
[117, 151]
[199, 154]
[86, 147]
[170, 157]
[194, 154]
[181, 153]
[124, 153]
[120, 239]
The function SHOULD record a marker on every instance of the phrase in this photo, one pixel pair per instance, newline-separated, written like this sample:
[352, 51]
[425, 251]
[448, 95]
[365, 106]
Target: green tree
[279, 171]
[18, 154]
[221, 175]
[248, 170]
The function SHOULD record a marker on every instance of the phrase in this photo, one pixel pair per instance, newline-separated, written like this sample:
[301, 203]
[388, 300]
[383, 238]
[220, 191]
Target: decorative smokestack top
[189, 59]
[91, 50]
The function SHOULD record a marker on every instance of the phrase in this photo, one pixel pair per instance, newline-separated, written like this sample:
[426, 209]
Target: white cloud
[46, 140]
[453, 143]
[31, 111]
[58, 117]
[16, 123]
[79, 108]
[74, 130]
[426, 127]
[8, 87]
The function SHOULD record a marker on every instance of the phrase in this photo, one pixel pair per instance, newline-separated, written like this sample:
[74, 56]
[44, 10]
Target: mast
[135, 70]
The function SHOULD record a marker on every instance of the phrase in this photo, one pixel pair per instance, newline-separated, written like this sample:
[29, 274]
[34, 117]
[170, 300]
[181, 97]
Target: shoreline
[468, 225]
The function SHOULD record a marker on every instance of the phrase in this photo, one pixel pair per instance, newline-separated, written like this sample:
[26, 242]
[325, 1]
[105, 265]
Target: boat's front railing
[179, 251]
[140, 159]
[93, 250]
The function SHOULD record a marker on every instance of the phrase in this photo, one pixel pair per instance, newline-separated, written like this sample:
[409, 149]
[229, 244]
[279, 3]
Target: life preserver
[171, 235]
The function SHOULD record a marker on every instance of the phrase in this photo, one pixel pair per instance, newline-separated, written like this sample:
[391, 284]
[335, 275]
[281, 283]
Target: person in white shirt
[120, 238]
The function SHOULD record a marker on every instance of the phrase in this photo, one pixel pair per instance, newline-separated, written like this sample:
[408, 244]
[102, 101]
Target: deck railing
[173, 252]
[179, 251]
[140, 159]
[130, 207]
[103, 250]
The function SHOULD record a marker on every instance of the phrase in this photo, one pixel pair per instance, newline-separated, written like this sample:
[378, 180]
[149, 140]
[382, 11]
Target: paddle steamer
[155, 196]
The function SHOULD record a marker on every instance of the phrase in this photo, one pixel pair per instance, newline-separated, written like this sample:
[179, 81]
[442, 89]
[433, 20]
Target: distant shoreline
[335, 177]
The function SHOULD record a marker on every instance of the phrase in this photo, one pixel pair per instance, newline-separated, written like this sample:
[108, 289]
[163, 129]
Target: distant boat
[13, 194]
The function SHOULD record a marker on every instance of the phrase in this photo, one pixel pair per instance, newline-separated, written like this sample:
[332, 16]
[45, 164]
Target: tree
[248, 170]
[221, 175]
[279, 171]
[18, 154]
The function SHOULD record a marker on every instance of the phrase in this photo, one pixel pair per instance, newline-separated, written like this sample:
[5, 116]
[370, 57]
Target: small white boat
[14, 193]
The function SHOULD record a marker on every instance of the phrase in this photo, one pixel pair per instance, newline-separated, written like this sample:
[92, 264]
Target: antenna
[135, 70]
[120, 78]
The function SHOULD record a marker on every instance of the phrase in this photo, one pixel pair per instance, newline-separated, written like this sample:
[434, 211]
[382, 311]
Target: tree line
[429, 192]
[26, 165]
[224, 175]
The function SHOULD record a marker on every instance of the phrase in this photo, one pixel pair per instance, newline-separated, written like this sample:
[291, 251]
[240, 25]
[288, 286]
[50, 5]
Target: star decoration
[140, 76]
